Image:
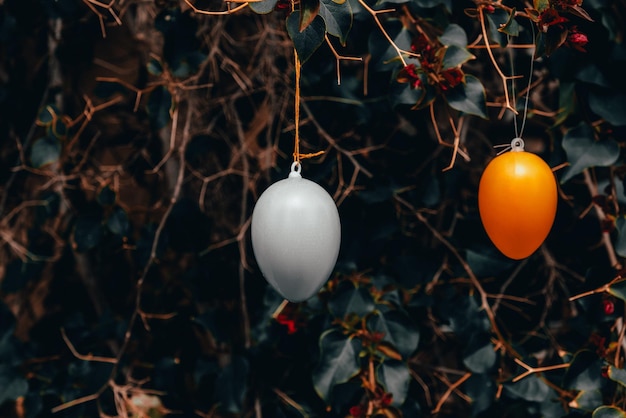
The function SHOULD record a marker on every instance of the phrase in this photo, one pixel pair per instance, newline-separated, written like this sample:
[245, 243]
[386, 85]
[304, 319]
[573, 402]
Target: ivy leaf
[155, 67]
[617, 375]
[12, 385]
[455, 56]
[481, 388]
[584, 372]
[620, 245]
[45, 150]
[610, 106]
[583, 151]
[510, 27]
[351, 300]
[309, 10]
[531, 388]
[579, 11]
[118, 222]
[398, 330]
[87, 233]
[454, 35]
[47, 115]
[231, 385]
[338, 18]
[479, 356]
[380, 49]
[587, 400]
[263, 6]
[497, 19]
[469, 97]
[608, 412]
[395, 377]
[618, 289]
[339, 361]
[541, 5]
[307, 41]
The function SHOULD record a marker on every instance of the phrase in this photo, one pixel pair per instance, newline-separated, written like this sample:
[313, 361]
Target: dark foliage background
[137, 135]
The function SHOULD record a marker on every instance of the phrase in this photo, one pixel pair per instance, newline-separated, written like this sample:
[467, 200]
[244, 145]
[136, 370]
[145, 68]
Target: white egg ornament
[295, 236]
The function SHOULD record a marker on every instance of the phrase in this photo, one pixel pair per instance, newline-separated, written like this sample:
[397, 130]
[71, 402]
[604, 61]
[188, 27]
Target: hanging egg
[517, 198]
[295, 236]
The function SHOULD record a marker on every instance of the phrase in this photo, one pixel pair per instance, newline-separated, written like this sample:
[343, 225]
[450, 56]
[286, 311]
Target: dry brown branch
[339, 58]
[531, 370]
[85, 357]
[606, 236]
[400, 52]
[218, 13]
[451, 388]
[503, 77]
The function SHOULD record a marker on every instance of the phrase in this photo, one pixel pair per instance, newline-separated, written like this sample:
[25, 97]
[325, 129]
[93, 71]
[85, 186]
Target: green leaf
[479, 356]
[487, 264]
[617, 375]
[309, 10]
[583, 151]
[118, 222]
[608, 412]
[541, 5]
[587, 400]
[107, 196]
[454, 35]
[455, 56]
[339, 361]
[307, 41]
[380, 49]
[395, 377]
[620, 245]
[47, 115]
[12, 385]
[496, 20]
[469, 97]
[58, 129]
[87, 233]
[481, 388]
[398, 329]
[155, 67]
[263, 6]
[567, 102]
[531, 388]
[618, 289]
[338, 18]
[610, 106]
[231, 385]
[584, 372]
[45, 150]
[510, 27]
[351, 300]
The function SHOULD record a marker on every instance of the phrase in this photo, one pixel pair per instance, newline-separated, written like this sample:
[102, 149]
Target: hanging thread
[520, 132]
[296, 148]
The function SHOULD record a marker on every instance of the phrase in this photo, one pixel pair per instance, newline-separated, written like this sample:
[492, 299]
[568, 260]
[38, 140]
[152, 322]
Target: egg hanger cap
[517, 144]
[296, 168]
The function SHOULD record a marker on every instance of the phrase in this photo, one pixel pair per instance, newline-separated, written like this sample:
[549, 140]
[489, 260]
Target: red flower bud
[386, 399]
[550, 17]
[490, 9]
[357, 411]
[577, 40]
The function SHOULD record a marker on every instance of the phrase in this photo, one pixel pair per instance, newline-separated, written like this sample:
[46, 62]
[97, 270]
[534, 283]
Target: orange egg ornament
[517, 198]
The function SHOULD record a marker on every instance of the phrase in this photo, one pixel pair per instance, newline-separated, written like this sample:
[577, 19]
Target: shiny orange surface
[517, 198]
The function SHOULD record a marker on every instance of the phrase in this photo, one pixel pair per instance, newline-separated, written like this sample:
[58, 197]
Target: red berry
[608, 306]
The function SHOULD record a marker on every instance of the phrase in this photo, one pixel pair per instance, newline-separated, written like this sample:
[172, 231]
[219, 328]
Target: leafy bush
[138, 135]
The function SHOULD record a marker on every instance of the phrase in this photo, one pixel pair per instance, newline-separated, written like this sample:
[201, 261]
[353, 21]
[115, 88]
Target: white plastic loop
[517, 144]
[296, 168]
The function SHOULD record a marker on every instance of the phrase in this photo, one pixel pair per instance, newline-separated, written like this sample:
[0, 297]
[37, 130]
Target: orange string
[296, 149]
